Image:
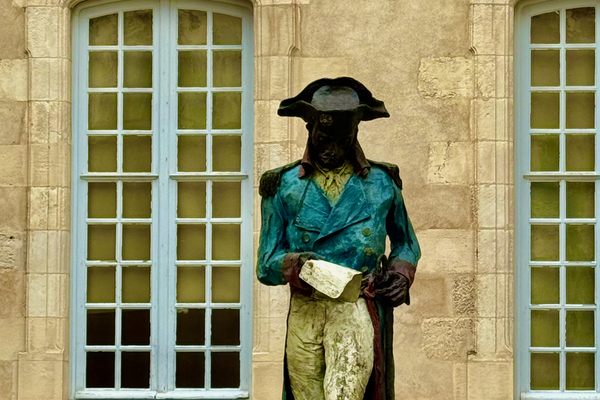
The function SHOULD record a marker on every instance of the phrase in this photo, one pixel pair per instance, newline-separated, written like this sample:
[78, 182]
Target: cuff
[405, 268]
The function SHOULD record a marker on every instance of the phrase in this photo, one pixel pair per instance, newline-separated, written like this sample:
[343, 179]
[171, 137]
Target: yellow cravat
[332, 181]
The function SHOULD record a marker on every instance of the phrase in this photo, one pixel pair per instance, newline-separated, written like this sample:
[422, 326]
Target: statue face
[332, 145]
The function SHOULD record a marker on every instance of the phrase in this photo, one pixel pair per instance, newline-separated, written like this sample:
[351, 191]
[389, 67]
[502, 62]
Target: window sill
[182, 394]
[560, 395]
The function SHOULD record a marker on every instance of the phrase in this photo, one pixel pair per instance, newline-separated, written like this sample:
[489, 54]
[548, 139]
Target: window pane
[191, 111]
[227, 112]
[225, 327]
[580, 285]
[225, 370]
[191, 153]
[101, 242]
[191, 200]
[581, 25]
[100, 370]
[136, 242]
[191, 242]
[544, 199]
[227, 153]
[190, 327]
[189, 371]
[102, 111]
[227, 68]
[136, 284]
[101, 285]
[137, 111]
[191, 285]
[545, 371]
[138, 27]
[226, 242]
[103, 30]
[135, 327]
[580, 328]
[545, 285]
[135, 370]
[580, 371]
[580, 242]
[100, 327]
[580, 153]
[227, 29]
[102, 153]
[544, 110]
[545, 68]
[580, 67]
[580, 110]
[137, 153]
[137, 198]
[226, 199]
[102, 200]
[192, 27]
[544, 328]
[192, 68]
[138, 69]
[544, 242]
[580, 199]
[544, 153]
[226, 284]
[103, 69]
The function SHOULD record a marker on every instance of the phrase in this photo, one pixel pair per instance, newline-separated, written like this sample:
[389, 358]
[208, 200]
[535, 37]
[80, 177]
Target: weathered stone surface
[450, 163]
[37, 295]
[268, 156]
[43, 24]
[46, 334]
[12, 294]
[48, 378]
[13, 79]
[448, 338]
[446, 77]
[446, 251]
[12, 332]
[49, 122]
[14, 161]
[490, 380]
[13, 208]
[12, 250]
[277, 21]
[13, 116]
[8, 380]
[428, 298]
[440, 206]
[483, 38]
[12, 30]
[267, 380]
[309, 69]
[464, 295]
[485, 76]
[49, 79]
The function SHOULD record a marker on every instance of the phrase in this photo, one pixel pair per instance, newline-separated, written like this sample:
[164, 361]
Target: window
[162, 236]
[557, 200]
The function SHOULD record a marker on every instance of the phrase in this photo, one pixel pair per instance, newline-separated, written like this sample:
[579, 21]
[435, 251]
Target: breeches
[329, 348]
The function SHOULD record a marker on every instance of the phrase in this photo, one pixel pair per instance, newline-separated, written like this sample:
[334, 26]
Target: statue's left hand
[391, 288]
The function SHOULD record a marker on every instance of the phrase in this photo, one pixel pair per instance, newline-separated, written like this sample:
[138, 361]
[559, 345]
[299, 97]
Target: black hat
[324, 98]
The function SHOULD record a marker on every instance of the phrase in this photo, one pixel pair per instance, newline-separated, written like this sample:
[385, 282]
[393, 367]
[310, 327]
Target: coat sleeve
[272, 248]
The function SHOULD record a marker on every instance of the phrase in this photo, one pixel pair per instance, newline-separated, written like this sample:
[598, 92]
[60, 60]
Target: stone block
[502, 27]
[490, 380]
[46, 335]
[459, 375]
[486, 162]
[446, 251]
[12, 250]
[464, 295]
[483, 35]
[483, 122]
[13, 115]
[48, 208]
[268, 126]
[428, 297]
[43, 25]
[267, 380]
[14, 165]
[13, 79]
[58, 295]
[48, 378]
[37, 295]
[12, 294]
[485, 76]
[485, 329]
[439, 206]
[503, 76]
[450, 163]
[274, 77]
[504, 119]
[12, 30]
[13, 208]
[488, 201]
[12, 332]
[445, 77]
[487, 295]
[269, 156]
[277, 29]
[50, 164]
[49, 79]
[308, 69]
[279, 300]
[49, 122]
[8, 379]
[448, 338]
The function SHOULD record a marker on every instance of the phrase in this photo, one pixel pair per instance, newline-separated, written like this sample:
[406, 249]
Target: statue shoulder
[270, 180]
[390, 169]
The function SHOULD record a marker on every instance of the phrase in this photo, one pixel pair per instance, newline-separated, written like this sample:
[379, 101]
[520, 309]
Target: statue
[337, 206]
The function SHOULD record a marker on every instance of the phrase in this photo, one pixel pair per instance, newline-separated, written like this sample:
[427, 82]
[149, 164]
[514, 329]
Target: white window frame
[523, 177]
[164, 178]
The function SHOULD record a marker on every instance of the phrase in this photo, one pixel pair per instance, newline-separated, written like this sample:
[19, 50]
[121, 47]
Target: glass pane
[580, 25]
[103, 30]
[100, 370]
[544, 110]
[580, 110]
[580, 153]
[544, 199]
[102, 153]
[102, 111]
[138, 27]
[137, 153]
[103, 69]
[102, 200]
[136, 284]
[100, 327]
[545, 285]
[135, 327]
[192, 68]
[191, 241]
[580, 328]
[580, 242]
[225, 327]
[137, 197]
[580, 285]
[137, 111]
[225, 370]
[580, 371]
[101, 285]
[227, 112]
[192, 27]
[227, 68]
[191, 199]
[227, 29]
[135, 370]
[138, 69]
[136, 242]
[544, 152]
[101, 242]
[580, 199]
[190, 285]
[580, 67]
[189, 371]
[227, 153]
[225, 284]
[545, 371]
[545, 68]
[544, 328]
[191, 111]
[191, 153]
[190, 326]
[544, 242]
[226, 242]
[226, 199]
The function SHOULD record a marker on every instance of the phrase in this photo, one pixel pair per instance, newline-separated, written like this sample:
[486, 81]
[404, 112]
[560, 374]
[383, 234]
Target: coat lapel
[314, 209]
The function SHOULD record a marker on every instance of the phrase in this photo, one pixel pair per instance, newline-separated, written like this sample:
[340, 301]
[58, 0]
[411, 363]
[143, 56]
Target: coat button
[366, 232]
[369, 251]
[306, 238]
[364, 268]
